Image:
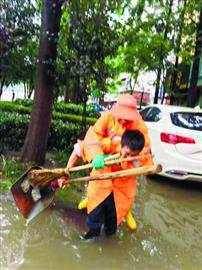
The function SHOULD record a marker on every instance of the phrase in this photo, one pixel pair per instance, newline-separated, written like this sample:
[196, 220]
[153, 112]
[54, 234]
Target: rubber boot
[83, 204]
[130, 221]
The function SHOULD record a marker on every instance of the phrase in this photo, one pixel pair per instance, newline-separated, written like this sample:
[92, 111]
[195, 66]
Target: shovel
[32, 198]
[43, 177]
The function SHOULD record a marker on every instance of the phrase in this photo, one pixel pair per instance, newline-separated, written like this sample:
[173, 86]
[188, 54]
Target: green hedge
[63, 136]
[24, 102]
[75, 109]
[13, 128]
[62, 107]
[12, 107]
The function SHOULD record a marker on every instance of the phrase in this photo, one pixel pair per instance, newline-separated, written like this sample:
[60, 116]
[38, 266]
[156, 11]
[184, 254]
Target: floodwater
[169, 235]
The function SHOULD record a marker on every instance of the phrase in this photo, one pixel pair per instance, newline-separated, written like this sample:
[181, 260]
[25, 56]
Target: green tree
[156, 30]
[146, 43]
[194, 91]
[89, 34]
[90, 40]
[18, 37]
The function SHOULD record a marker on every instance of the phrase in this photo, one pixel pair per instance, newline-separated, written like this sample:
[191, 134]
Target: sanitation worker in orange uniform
[105, 138]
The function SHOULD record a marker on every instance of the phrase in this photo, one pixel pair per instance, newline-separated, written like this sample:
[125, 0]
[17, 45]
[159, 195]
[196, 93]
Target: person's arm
[145, 155]
[73, 160]
[75, 156]
[96, 140]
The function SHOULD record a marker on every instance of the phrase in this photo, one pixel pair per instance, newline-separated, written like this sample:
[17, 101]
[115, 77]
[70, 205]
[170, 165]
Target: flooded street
[169, 235]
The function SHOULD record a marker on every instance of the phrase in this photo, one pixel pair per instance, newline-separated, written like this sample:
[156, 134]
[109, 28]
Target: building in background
[143, 89]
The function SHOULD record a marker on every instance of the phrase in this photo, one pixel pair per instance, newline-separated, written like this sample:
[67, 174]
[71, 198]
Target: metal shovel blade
[30, 200]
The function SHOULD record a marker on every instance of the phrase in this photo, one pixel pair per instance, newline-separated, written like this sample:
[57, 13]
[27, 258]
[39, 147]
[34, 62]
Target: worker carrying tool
[105, 138]
[109, 201]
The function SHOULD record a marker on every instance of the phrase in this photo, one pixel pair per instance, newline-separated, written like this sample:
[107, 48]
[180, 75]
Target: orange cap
[126, 108]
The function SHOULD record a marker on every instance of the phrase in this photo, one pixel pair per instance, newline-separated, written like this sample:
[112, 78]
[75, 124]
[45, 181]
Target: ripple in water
[149, 247]
[13, 237]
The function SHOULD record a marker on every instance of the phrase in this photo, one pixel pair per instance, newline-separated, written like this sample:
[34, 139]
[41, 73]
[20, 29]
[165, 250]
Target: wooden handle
[129, 172]
[115, 159]
[113, 156]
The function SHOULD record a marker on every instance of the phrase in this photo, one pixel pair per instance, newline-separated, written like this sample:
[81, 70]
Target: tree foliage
[98, 40]
[89, 34]
[18, 39]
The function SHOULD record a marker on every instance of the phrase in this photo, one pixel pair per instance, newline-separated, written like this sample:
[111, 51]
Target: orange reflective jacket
[98, 140]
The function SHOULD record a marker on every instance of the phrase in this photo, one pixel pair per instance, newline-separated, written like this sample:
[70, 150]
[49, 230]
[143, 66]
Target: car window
[187, 120]
[144, 113]
[151, 114]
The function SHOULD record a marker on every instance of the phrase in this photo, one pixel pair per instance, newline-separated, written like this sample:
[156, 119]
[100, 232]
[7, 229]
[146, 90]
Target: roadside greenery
[11, 169]
[13, 128]
[74, 115]
[62, 107]
[97, 41]
[81, 50]
[65, 129]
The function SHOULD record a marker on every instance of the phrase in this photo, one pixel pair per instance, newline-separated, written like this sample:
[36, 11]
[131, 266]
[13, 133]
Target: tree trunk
[30, 93]
[66, 94]
[77, 90]
[25, 91]
[34, 148]
[1, 86]
[163, 97]
[178, 46]
[158, 80]
[157, 86]
[193, 92]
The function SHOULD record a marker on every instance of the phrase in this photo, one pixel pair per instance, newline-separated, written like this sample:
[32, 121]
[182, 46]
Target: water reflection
[169, 235]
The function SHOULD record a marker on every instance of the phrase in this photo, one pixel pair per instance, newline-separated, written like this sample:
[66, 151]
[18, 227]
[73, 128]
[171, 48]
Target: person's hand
[67, 171]
[99, 161]
[116, 139]
[59, 183]
[63, 182]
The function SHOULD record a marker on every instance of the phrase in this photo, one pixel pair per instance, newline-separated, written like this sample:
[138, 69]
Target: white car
[176, 140]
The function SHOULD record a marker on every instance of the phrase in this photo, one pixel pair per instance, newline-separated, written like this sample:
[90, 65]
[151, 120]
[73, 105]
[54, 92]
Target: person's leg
[130, 219]
[94, 221]
[110, 216]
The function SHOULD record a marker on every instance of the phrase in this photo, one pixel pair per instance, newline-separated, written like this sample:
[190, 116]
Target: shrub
[70, 108]
[62, 136]
[24, 102]
[63, 107]
[21, 109]
[13, 128]
[8, 106]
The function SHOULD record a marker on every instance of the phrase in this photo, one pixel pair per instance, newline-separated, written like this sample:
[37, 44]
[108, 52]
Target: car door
[189, 124]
